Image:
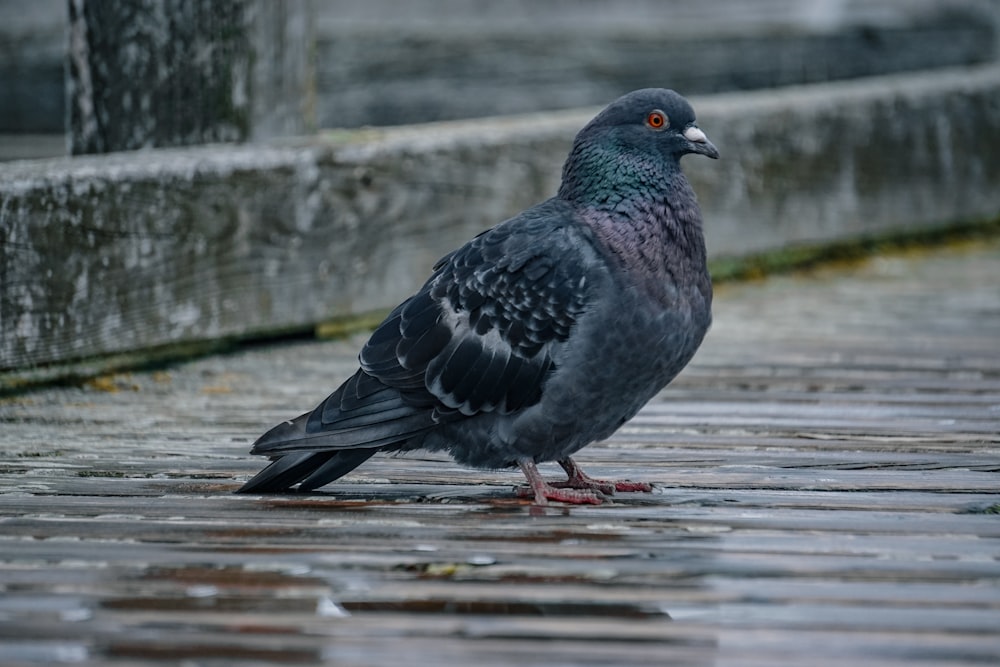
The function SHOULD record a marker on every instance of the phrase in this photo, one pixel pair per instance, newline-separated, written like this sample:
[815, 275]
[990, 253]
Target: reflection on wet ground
[202, 590]
[825, 493]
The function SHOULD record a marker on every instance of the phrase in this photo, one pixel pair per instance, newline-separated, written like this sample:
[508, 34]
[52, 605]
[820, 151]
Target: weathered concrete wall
[840, 160]
[156, 73]
[104, 254]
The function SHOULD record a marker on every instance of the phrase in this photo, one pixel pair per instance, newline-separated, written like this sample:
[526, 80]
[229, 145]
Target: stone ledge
[107, 254]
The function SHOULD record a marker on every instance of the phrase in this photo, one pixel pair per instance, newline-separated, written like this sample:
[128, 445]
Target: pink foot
[581, 480]
[561, 495]
[626, 485]
[543, 492]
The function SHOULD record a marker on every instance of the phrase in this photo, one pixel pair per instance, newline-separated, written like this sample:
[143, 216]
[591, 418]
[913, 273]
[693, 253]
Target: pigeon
[542, 334]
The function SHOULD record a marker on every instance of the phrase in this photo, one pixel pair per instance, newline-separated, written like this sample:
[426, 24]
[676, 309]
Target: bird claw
[599, 485]
[563, 494]
[606, 486]
[579, 489]
[581, 480]
[627, 485]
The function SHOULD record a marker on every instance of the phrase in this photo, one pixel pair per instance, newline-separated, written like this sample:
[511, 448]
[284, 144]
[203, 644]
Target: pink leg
[581, 480]
[544, 492]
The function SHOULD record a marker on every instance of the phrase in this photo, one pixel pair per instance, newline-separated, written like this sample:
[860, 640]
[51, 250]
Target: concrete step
[134, 251]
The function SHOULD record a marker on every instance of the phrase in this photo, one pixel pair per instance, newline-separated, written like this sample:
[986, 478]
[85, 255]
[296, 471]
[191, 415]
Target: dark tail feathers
[344, 431]
[313, 470]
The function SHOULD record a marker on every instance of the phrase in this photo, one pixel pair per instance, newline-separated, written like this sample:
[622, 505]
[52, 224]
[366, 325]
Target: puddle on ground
[485, 607]
[198, 588]
[285, 610]
[279, 590]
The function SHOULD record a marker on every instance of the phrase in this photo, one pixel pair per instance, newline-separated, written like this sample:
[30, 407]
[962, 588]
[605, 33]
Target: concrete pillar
[153, 73]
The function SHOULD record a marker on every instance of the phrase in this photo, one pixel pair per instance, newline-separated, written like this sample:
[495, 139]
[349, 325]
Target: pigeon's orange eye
[656, 119]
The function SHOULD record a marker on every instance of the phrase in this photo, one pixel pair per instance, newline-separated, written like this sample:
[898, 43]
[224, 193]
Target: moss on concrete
[811, 256]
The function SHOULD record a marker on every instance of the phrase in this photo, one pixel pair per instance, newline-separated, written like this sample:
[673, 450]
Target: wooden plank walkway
[827, 494]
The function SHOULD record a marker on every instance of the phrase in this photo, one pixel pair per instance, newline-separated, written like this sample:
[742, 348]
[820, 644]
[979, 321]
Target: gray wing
[480, 335]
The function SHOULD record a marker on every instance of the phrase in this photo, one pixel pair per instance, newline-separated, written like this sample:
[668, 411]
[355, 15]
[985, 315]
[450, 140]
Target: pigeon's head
[634, 145]
[651, 119]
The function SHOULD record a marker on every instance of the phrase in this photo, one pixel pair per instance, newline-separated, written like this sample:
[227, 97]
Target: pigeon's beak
[700, 143]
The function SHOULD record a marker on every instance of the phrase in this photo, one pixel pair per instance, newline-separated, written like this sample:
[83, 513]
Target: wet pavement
[827, 479]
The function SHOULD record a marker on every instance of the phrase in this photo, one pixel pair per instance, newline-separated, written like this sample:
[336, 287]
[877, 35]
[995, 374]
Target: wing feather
[481, 333]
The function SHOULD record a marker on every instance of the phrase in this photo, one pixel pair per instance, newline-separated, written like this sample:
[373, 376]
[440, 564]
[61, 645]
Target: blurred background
[349, 63]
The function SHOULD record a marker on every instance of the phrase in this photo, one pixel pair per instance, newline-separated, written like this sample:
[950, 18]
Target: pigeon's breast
[624, 352]
[647, 342]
